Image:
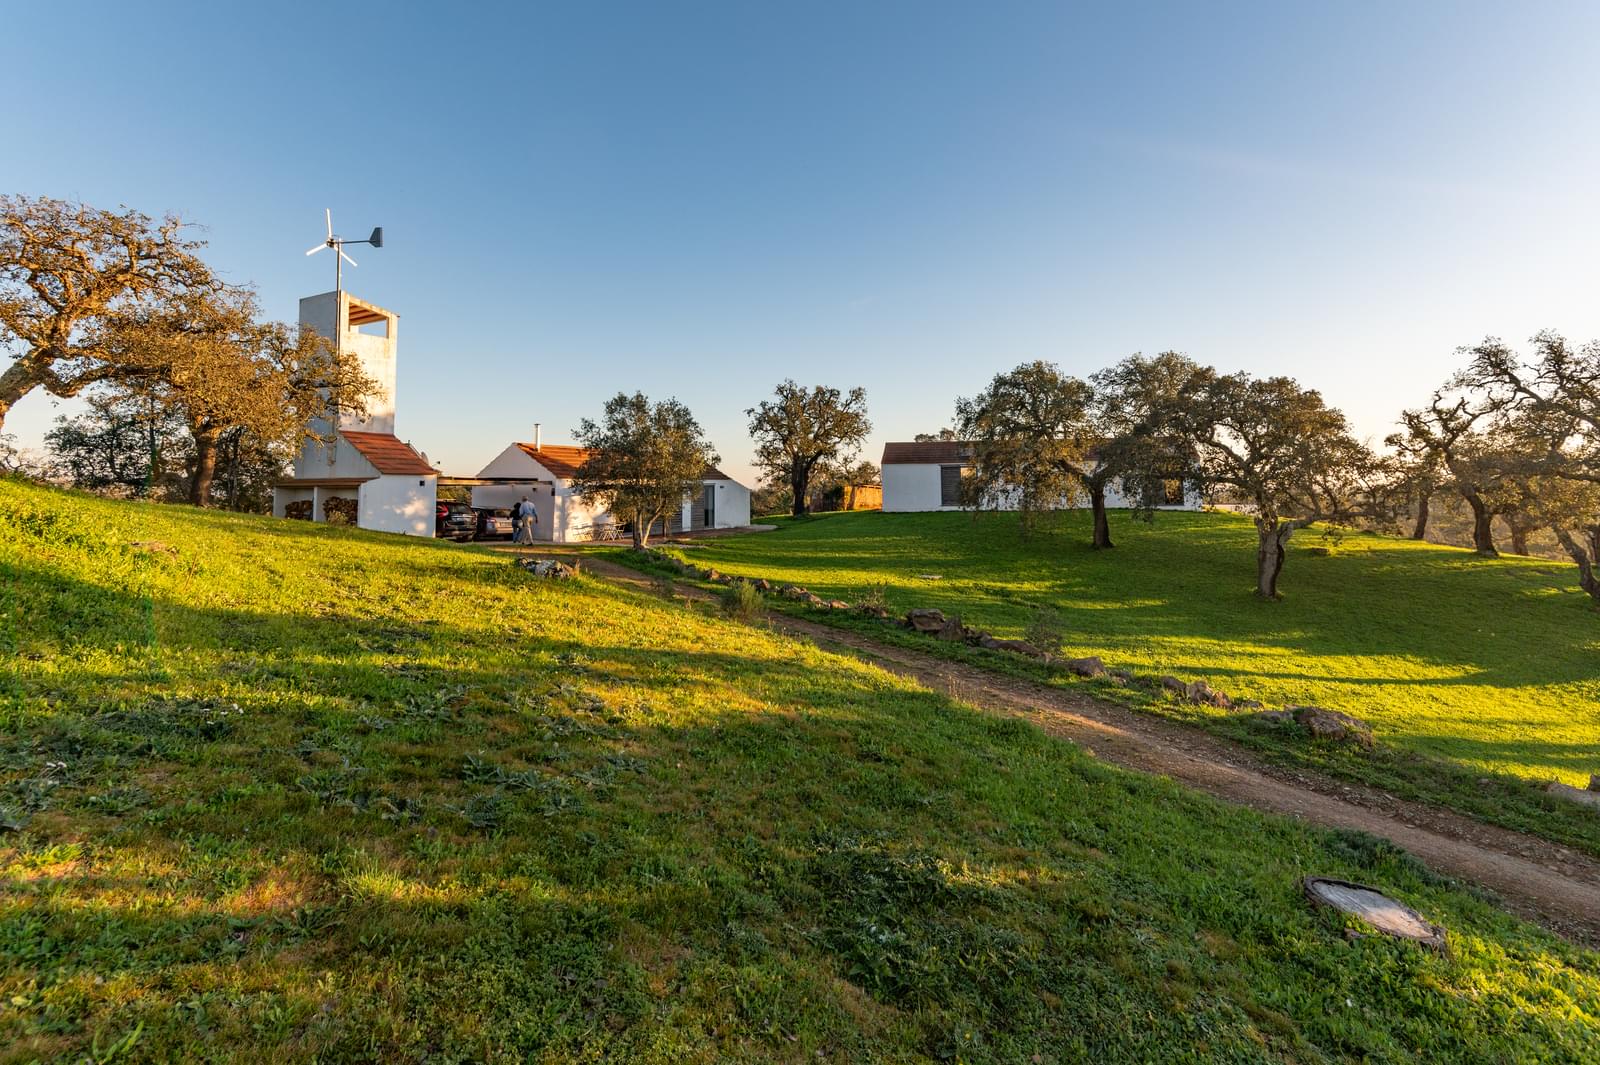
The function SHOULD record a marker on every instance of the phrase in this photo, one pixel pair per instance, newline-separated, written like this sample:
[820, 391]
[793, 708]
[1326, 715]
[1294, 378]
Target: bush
[1047, 630]
[740, 600]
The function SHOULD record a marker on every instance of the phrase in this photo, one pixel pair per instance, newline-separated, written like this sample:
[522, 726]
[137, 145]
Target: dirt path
[1537, 879]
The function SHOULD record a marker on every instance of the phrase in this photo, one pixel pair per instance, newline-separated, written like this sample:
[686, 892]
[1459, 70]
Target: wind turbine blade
[329, 212]
[347, 258]
[318, 248]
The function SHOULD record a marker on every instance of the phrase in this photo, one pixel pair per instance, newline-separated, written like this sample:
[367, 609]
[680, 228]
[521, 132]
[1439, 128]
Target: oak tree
[68, 273]
[645, 458]
[801, 432]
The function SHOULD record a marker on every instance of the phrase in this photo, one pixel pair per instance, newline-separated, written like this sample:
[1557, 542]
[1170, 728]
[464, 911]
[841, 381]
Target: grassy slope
[460, 814]
[1490, 663]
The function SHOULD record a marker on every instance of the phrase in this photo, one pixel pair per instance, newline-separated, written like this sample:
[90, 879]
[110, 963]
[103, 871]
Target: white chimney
[536, 436]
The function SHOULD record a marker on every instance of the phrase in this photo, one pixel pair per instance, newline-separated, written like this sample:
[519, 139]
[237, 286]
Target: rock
[1248, 704]
[1173, 684]
[1331, 725]
[1085, 667]
[872, 610]
[1594, 781]
[762, 585]
[925, 619]
[793, 591]
[548, 567]
[838, 604]
[1389, 916]
[714, 576]
[1122, 676]
[952, 631]
[1572, 794]
[1203, 694]
[813, 599]
[1016, 647]
[1272, 717]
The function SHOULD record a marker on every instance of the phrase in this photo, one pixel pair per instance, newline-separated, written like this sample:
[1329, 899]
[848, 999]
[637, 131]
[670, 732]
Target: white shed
[925, 475]
[722, 502]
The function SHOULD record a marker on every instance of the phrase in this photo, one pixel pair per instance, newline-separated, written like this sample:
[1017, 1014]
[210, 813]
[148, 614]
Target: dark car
[495, 524]
[454, 521]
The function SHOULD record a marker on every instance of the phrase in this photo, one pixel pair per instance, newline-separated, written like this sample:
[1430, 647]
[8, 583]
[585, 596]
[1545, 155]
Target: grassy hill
[280, 791]
[1491, 664]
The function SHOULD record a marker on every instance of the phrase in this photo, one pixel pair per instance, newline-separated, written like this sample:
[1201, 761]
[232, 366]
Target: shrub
[740, 600]
[1047, 630]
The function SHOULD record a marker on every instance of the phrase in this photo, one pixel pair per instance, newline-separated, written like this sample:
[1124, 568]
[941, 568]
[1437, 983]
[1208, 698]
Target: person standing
[525, 517]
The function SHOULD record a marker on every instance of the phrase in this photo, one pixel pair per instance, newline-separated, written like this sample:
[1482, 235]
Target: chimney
[536, 440]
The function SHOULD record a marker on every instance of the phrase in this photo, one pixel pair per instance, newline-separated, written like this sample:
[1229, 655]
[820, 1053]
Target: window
[1172, 492]
[950, 484]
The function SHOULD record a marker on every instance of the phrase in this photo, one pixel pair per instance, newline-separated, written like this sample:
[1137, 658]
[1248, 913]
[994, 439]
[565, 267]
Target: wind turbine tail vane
[337, 243]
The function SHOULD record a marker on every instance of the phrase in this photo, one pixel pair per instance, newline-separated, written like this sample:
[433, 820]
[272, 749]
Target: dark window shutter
[949, 486]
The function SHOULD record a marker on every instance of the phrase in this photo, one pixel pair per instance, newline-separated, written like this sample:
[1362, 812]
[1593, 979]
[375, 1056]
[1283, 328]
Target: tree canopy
[69, 275]
[644, 459]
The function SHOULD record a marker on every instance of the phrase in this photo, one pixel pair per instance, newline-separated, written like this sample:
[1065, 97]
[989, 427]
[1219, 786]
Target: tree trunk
[1519, 539]
[16, 382]
[799, 482]
[641, 531]
[1587, 557]
[1102, 526]
[1272, 537]
[1482, 526]
[205, 466]
[1420, 530]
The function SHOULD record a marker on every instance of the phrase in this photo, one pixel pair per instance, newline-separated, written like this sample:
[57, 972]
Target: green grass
[297, 793]
[1494, 665]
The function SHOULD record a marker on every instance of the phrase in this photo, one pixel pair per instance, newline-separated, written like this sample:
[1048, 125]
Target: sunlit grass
[294, 793]
[1492, 664]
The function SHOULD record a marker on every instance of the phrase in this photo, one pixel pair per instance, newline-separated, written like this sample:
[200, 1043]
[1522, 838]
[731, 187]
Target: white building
[363, 471]
[721, 503]
[926, 475]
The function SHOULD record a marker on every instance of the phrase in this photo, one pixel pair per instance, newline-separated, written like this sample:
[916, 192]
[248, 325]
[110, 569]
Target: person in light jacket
[525, 519]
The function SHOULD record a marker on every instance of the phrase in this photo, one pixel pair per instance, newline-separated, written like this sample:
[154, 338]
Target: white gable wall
[912, 487]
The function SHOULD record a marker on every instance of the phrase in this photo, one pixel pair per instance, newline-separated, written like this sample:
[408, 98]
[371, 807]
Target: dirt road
[1537, 879]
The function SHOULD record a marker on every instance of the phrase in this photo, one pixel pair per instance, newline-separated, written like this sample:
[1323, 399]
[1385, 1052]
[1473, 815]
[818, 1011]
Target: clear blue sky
[702, 199]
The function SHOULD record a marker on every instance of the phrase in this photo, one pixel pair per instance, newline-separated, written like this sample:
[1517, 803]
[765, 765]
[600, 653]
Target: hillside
[1488, 663]
[284, 791]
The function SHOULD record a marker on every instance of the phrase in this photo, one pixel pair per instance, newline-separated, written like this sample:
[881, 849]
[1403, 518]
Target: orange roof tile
[563, 460]
[387, 453]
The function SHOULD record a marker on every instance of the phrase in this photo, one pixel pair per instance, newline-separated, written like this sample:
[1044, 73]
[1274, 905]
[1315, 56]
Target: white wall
[733, 505]
[399, 504]
[912, 487]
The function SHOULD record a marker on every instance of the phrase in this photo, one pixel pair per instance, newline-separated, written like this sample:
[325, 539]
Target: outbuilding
[545, 473]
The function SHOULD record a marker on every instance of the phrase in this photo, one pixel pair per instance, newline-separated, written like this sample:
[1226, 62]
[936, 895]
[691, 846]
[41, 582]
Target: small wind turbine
[337, 243]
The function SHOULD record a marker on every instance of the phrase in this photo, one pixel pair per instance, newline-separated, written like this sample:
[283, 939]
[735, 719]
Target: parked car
[495, 523]
[454, 521]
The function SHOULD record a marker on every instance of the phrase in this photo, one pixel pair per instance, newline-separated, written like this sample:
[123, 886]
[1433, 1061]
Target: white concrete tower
[368, 331]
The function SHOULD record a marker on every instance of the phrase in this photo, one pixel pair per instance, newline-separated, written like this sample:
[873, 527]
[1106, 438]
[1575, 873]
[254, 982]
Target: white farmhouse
[721, 503]
[926, 475]
[360, 470]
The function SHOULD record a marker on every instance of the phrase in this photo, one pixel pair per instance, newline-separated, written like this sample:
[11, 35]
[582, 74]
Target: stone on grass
[952, 631]
[1173, 684]
[1085, 667]
[1389, 916]
[1203, 694]
[762, 585]
[1272, 717]
[1016, 647]
[925, 619]
[1331, 725]
[1594, 781]
[548, 567]
[793, 591]
[1248, 704]
[1572, 794]
[838, 604]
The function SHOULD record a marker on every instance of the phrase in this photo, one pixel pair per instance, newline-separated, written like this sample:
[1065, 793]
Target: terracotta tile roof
[926, 452]
[563, 460]
[387, 453]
